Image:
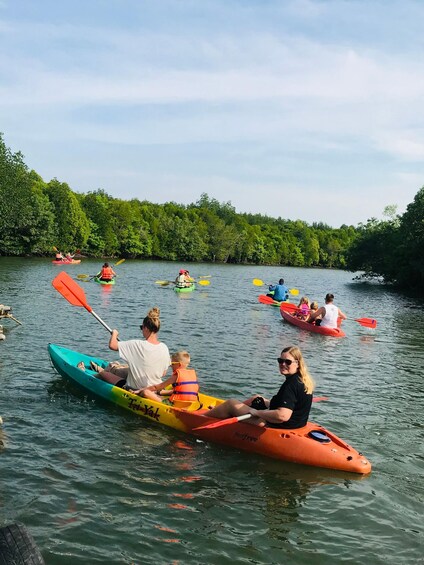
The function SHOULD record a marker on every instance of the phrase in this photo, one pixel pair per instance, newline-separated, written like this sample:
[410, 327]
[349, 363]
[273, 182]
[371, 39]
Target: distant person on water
[289, 408]
[69, 256]
[330, 314]
[183, 279]
[148, 359]
[107, 273]
[279, 292]
[183, 380]
[59, 256]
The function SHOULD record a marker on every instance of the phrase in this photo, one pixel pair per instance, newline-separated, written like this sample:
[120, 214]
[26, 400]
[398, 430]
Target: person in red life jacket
[185, 387]
[69, 257]
[107, 273]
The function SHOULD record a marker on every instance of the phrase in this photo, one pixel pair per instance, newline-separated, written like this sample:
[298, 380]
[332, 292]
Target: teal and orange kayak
[310, 445]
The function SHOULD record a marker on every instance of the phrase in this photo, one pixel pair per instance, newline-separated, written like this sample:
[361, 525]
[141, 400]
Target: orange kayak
[311, 445]
[334, 332]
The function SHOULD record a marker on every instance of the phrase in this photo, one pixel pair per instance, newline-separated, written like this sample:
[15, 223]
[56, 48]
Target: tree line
[37, 216]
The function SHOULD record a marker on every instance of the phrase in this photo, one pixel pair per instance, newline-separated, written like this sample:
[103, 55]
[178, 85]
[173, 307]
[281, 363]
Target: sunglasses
[282, 361]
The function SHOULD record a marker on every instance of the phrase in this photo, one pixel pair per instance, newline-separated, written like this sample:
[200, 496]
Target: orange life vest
[186, 387]
[107, 273]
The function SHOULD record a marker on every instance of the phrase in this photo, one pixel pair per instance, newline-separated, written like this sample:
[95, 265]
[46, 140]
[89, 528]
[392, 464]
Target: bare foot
[81, 366]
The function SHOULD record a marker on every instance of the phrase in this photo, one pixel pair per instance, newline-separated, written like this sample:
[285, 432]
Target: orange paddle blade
[266, 299]
[367, 322]
[70, 290]
[320, 398]
[288, 307]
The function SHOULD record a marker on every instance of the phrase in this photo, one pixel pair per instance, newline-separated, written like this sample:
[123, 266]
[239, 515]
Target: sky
[300, 109]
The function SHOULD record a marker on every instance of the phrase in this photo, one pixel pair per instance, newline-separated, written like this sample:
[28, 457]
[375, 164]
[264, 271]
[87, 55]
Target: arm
[170, 381]
[342, 315]
[277, 416]
[113, 341]
[319, 312]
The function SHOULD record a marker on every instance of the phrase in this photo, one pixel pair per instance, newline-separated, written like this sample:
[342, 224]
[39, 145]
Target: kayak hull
[295, 446]
[105, 283]
[185, 288]
[333, 332]
[73, 262]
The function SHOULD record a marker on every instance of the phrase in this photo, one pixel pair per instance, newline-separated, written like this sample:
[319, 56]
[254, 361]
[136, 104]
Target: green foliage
[37, 216]
[392, 249]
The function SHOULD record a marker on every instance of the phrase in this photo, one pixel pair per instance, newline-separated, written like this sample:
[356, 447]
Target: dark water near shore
[96, 485]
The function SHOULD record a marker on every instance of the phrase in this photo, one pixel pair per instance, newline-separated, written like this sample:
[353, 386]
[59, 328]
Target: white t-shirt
[331, 315]
[147, 362]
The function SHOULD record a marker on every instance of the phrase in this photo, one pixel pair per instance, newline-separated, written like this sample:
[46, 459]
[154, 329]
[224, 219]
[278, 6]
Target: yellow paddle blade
[205, 276]
[258, 282]
[294, 291]
[83, 276]
[163, 283]
[119, 262]
[204, 283]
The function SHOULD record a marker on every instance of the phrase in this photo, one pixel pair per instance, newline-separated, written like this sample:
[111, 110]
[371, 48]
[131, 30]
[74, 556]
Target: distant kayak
[185, 288]
[310, 445]
[73, 262]
[334, 332]
[106, 283]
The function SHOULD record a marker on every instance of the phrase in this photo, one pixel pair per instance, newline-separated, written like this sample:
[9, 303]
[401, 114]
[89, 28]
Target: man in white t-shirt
[330, 313]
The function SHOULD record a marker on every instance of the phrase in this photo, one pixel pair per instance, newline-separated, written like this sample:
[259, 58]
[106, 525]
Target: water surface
[96, 485]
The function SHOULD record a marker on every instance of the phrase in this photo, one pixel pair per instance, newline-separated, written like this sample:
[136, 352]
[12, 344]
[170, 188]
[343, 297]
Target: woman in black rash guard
[289, 408]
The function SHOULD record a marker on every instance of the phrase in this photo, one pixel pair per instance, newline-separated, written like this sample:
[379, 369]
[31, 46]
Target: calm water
[98, 486]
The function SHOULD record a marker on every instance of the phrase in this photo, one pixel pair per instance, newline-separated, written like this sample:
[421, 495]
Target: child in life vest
[185, 387]
[312, 309]
[303, 308]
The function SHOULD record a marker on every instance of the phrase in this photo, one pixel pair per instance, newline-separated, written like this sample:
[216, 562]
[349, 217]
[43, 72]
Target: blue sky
[304, 109]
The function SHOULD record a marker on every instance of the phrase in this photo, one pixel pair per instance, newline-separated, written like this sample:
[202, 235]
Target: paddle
[367, 322]
[259, 282]
[74, 294]
[166, 283]
[267, 300]
[235, 419]
[119, 262]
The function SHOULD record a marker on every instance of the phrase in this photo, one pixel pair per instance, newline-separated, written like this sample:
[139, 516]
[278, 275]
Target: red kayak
[292, 319]
[65, 262]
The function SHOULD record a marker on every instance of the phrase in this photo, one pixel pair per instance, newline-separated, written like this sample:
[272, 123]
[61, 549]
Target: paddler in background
[183, 279]
[107, 273]
[59, 256]
[279, 292]
[331, 315]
